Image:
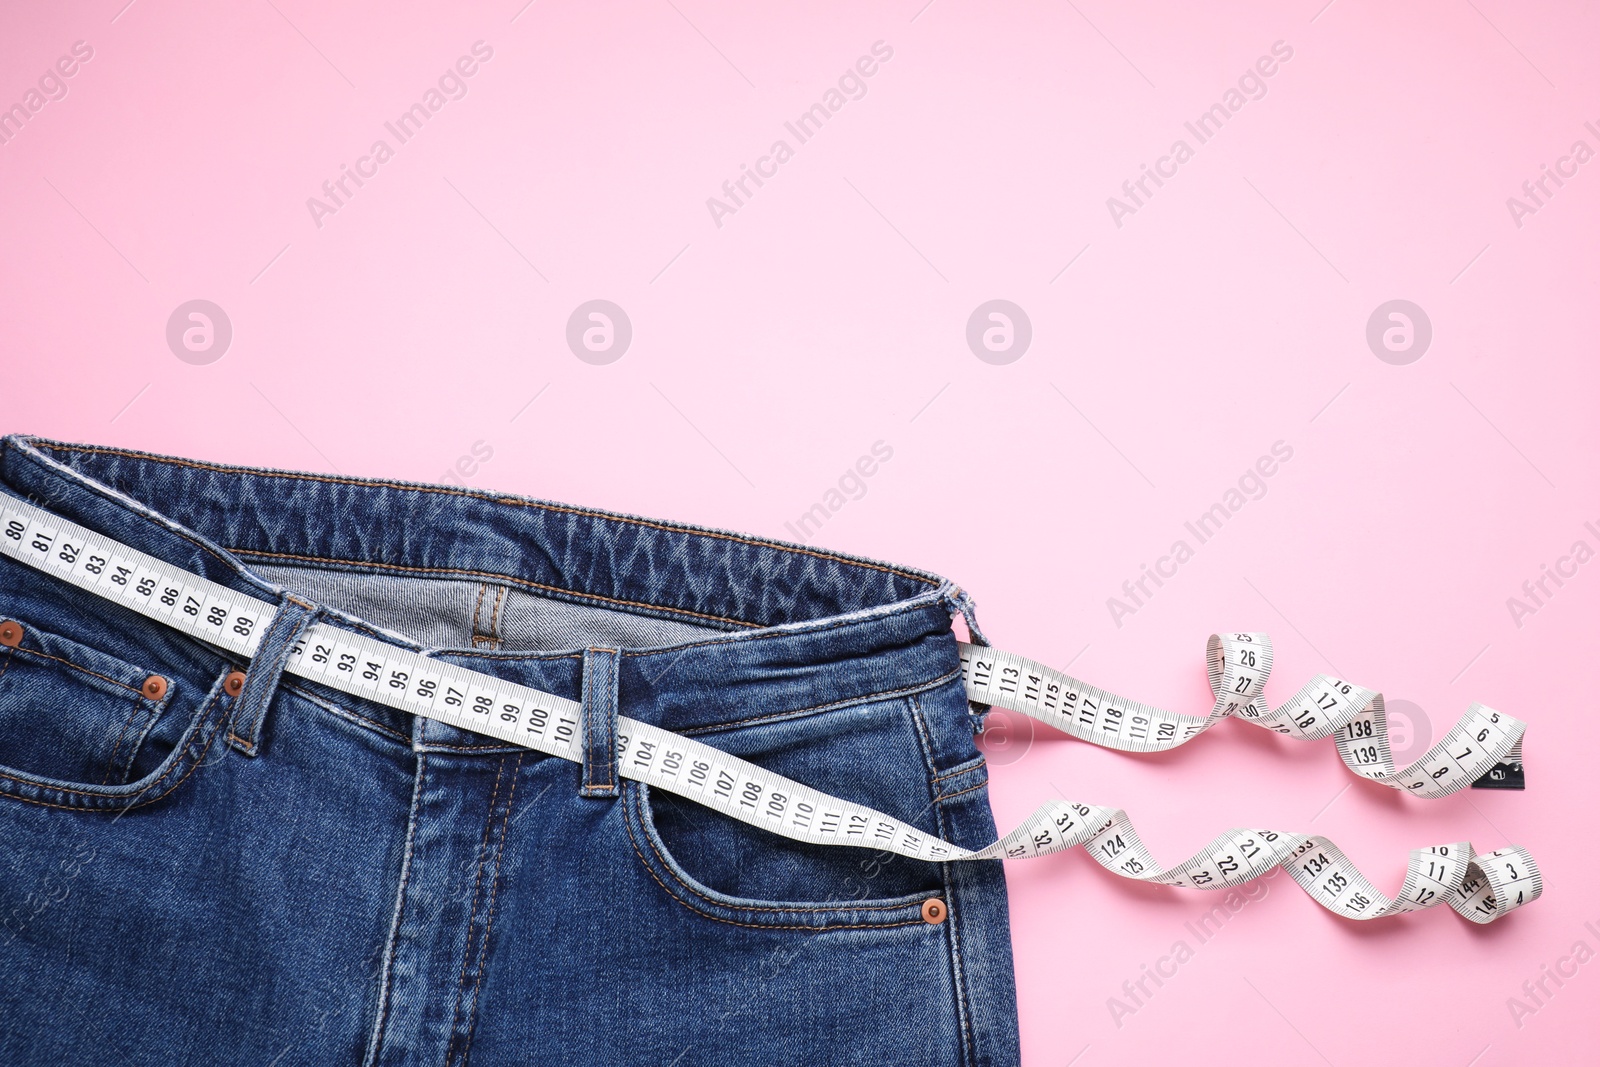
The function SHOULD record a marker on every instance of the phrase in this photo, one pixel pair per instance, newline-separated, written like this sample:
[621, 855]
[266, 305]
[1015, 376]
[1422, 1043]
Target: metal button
[10, 634]
[934, 911]
[154, 688]
[234, 683]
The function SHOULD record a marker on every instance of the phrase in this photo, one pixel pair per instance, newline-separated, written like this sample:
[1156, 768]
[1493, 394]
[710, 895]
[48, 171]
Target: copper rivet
[155, 687]
[234, 683]
[934, 911]
[10, 634]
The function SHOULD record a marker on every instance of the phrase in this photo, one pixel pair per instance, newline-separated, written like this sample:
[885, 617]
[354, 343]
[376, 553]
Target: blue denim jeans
[195, 871]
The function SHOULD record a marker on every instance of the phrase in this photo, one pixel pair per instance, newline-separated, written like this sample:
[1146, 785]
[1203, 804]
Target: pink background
[829, 312]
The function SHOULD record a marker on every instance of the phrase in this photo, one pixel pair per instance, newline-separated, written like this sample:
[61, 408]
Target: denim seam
[465, 572]
[140, 733]
[477, 609]
[487, 636]
[111, 763]
[607, 788]
[958, 972]
[375, 1042]
[611, 749]
[472, 915]
[94, 793]
[488, 927]
[847, 702]
[957, 976]
[346, 713]
[507, 500]
[526, 657]
[962, 768]
[82, 481]
[678, 650]
[774, 632]
[632, 840]
[667, 866]
[242, 744]
[914, 707]
[494, 618]
[68, 663]
[205, 714]
[962, 792]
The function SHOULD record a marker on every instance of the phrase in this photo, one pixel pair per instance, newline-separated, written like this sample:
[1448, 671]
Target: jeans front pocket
[727, 870]
[71, 712]
[82, 728]
[839, 913]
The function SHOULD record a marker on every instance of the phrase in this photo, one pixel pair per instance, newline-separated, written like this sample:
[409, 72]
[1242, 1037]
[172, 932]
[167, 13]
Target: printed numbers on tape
[1483, 741]
[1481, 888]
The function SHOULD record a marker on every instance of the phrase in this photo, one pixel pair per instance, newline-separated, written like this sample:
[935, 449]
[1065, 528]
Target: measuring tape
[1483, 742]
[1481, 888]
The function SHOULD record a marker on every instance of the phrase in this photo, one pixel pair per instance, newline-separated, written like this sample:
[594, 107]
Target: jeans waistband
[788, 629]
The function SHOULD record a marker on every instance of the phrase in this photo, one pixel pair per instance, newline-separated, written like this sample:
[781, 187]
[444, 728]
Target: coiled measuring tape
[1481, 888]
[1484, 748]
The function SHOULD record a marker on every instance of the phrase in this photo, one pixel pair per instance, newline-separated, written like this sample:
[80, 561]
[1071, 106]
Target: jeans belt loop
[266, 668]
[600, 722]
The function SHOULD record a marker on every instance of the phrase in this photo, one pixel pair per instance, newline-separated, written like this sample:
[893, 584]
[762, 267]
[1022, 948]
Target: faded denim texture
[292, 875]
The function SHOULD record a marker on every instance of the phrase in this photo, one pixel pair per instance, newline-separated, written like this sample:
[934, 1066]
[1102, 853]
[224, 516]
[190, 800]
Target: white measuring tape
[1238, 665]
[1481, 888]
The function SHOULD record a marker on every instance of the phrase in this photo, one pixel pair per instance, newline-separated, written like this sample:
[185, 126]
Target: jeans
[195, 870]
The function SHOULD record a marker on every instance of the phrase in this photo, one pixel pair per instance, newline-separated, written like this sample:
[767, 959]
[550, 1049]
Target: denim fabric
[289, 875]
